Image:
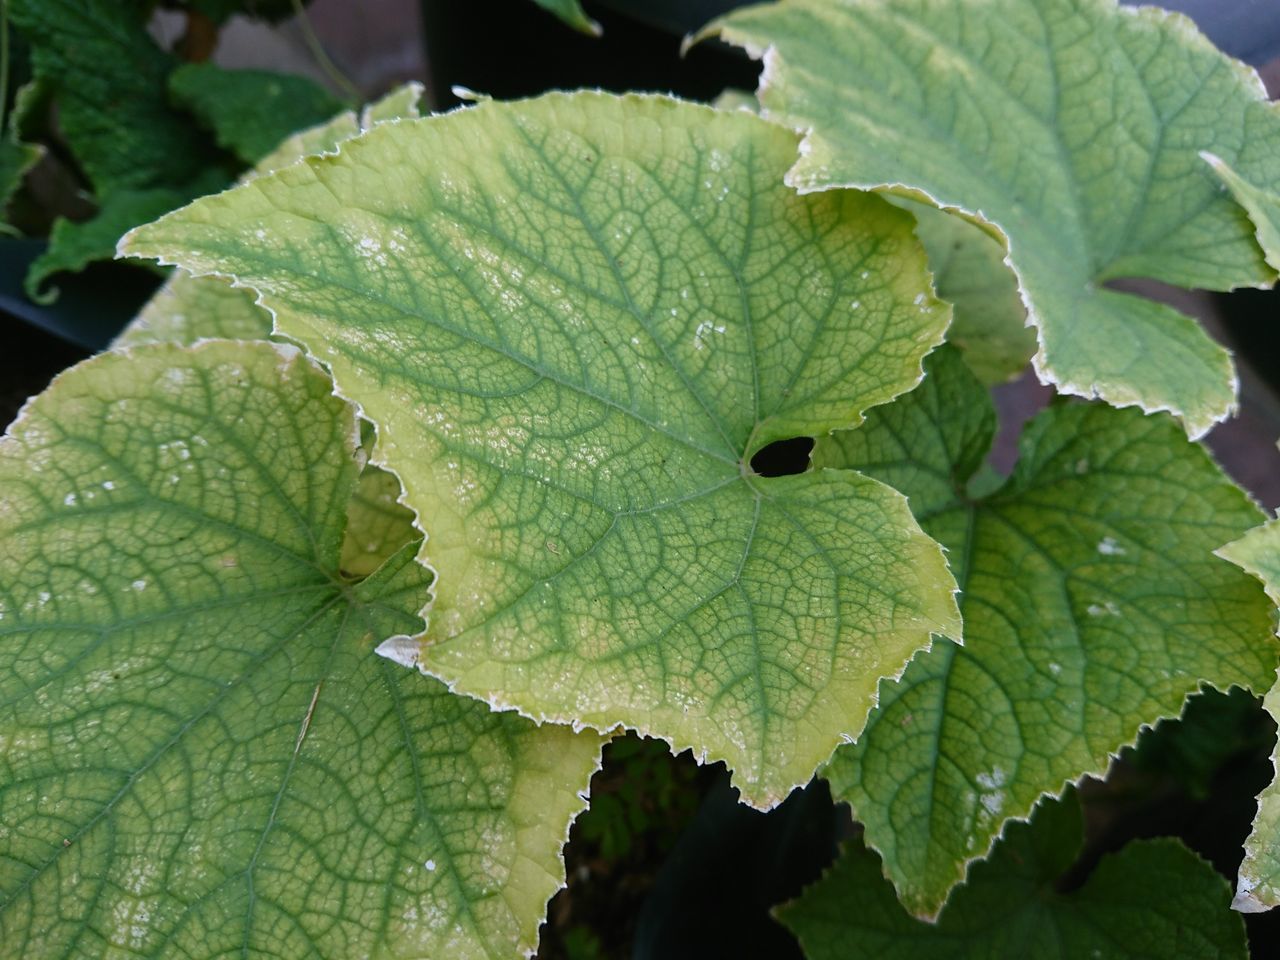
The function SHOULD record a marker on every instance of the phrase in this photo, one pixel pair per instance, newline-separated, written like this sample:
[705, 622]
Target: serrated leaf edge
[1175, 842]
[529, 948]
[290, 355]
[398, 651]
[1180, 24]
[1244, 900]
[961, 876]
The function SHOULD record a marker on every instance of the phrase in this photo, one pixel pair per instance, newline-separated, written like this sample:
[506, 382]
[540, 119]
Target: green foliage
[582, 944]
[186, 308]
[147, 133]
[1258, 889]
[250, 111]
[1262, 204]
[1073, 128]
[1152, 899]
[16, 158]
[378, 525]
[969, 271]
[1215, 729]
[612, 340]
[647, 790]
[1093, 606]
[191, 710]
[73, 246]
[111, 84]
[555, 335]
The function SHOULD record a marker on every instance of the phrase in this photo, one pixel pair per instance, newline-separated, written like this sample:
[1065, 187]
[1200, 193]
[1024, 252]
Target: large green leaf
[73, 246]
[989, 322]
[1092, 602]
[1073, 127]
[96, 58]
[200, 752]
[250, 111]
[109, 78]
[574, 321]
[186, 309]
[1153, 899]
[1258, 885]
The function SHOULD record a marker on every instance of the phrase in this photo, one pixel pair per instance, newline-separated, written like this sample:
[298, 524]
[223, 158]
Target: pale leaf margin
[406, 650]
[290, 360]
[1262, 205]
[400, 104]
[224, 313]
[1052, 789]
[1245, 194]
[1257, 885]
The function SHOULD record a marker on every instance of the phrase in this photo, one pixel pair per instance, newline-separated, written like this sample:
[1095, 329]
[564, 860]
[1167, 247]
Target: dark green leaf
[1152, 899]
[73, 246]
[250, 111]
[16, 159]
[1092, 603]
[109, 78]
[571, 13]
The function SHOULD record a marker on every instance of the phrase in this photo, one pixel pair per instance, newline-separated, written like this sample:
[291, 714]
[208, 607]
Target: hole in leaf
[782, 458]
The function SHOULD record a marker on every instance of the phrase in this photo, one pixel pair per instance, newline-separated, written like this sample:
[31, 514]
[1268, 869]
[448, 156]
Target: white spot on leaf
[1108, 547]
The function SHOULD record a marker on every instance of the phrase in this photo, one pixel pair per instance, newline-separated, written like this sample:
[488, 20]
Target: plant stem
[200, 40]
[321, 57]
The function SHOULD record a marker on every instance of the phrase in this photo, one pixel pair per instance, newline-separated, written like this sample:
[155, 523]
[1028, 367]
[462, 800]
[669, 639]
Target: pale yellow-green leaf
[200, 752]
[574, 321]
[402, 103]
[731, 98]
[989, 322]
[185, 309]
[377, 524]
